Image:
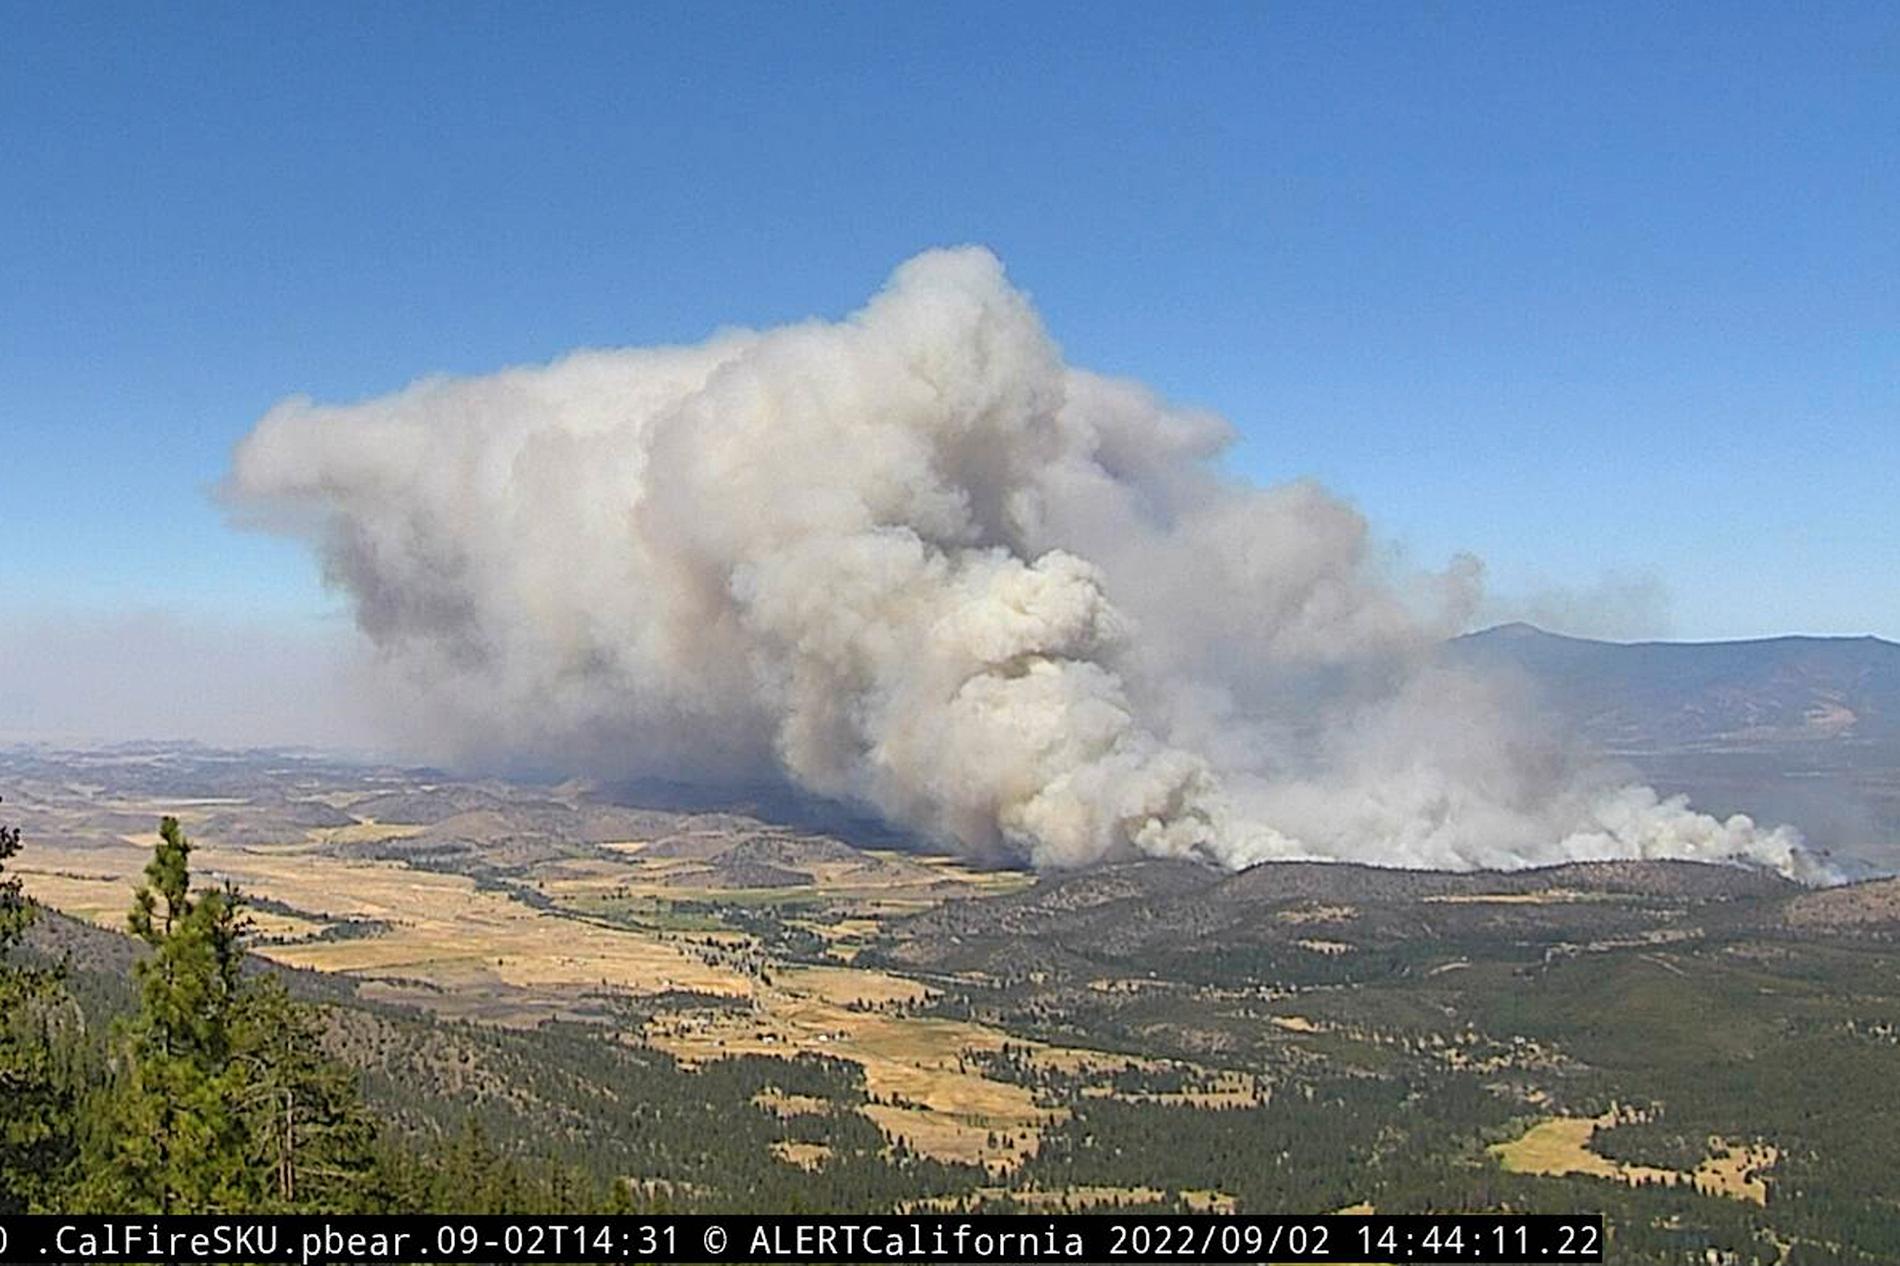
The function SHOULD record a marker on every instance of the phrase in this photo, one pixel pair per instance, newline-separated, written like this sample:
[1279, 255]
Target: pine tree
[172, 1140]
[37, 1126]
[224, 1100]
[308, 1134]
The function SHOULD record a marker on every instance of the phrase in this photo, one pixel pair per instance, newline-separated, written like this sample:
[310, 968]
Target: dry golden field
[1561, 1145]
[923, 1091]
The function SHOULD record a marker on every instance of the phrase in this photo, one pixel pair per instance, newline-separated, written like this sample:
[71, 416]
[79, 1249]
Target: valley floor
[833, 1026]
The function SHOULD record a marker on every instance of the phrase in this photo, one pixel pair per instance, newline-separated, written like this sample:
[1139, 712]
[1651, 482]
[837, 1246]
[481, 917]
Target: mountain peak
[1514, 628]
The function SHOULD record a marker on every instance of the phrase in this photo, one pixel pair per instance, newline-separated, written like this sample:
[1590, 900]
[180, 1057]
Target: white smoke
[912, 560]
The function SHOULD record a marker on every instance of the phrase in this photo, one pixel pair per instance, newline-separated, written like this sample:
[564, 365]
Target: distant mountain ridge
[1802, 730]
[1640, 696]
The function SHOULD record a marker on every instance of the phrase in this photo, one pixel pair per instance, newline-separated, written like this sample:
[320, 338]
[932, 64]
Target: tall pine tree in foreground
[223, 1100]
[168, 1139]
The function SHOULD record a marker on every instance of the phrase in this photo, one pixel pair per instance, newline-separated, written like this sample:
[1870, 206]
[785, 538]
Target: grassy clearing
[803, 1155]
[925, 1093]
[1220, 1088]
[778, 1103]
[1317, 914]
[1561, 1145]
[1736, 1170]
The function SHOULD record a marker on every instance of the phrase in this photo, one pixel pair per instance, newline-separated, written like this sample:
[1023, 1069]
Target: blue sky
[1603, 293]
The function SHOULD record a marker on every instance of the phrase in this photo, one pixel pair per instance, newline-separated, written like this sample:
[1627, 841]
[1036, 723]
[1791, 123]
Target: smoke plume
[913, 561]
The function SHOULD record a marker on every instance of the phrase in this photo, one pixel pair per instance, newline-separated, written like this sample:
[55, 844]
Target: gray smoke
[911, 560]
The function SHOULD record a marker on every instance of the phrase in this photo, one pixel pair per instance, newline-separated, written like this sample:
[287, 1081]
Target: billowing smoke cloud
[913, 561]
